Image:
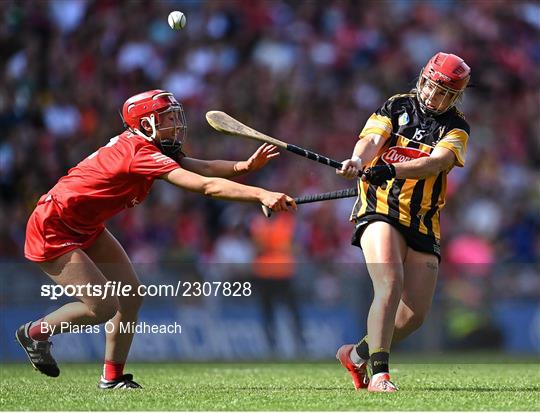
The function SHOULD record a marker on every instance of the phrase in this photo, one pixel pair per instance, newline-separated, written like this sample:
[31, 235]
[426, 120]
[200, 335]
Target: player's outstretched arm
[228, 169]
[364, 151]
[224, 189]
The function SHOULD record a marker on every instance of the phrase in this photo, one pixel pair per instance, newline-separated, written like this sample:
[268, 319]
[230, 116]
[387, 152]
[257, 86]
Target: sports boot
[38, 352]
[124, 382]
[357, 371]
[381, 383]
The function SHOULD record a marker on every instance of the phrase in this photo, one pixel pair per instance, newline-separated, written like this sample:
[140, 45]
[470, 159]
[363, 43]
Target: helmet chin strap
[151, 120]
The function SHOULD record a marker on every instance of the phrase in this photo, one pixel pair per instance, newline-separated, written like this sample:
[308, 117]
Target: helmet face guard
[442, 82]
[171, 146]
[435, 98]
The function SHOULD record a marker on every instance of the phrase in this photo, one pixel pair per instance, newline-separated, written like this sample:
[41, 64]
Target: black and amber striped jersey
[411, 134]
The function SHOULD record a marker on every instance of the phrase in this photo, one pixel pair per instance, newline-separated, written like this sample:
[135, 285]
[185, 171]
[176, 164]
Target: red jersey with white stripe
[117, 176]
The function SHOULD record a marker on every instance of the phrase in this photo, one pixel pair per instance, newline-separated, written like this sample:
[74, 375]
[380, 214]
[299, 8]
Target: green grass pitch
[274, 386]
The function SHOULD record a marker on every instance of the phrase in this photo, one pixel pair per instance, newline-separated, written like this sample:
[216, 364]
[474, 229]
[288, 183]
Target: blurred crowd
[308, 72]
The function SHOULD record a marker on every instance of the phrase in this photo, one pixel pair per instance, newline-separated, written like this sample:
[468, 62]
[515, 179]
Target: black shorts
[415, 240]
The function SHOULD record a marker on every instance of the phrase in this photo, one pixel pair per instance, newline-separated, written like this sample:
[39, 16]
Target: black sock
[379, 362]
[362, 349]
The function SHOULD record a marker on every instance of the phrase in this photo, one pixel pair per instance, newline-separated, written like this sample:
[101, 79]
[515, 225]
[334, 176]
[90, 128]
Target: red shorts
[48, 237]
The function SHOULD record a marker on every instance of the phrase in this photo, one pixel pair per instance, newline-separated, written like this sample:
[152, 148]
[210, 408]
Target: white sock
[355, 358]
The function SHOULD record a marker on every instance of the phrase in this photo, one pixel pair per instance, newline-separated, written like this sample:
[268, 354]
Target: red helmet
[445, 73]
[149, 105]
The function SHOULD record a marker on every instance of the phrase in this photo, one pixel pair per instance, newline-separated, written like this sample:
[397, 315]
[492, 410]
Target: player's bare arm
[364, 152]
[441, 159]
[224, 189]
[228, 169]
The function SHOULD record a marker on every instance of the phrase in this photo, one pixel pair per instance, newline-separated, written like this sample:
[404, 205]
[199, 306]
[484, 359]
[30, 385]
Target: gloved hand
[378, 175]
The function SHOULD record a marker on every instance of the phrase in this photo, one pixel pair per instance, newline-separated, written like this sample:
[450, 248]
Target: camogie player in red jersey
[67, 238]
[408, 147]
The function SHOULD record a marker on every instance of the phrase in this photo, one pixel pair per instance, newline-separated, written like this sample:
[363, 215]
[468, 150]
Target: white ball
[177, 20]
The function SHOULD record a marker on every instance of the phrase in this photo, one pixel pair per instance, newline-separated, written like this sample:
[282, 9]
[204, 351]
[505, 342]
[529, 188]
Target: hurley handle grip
[325, 196]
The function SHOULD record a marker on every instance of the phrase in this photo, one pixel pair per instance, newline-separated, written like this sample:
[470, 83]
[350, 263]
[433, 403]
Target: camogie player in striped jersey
[406, 150]
[67, 238]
